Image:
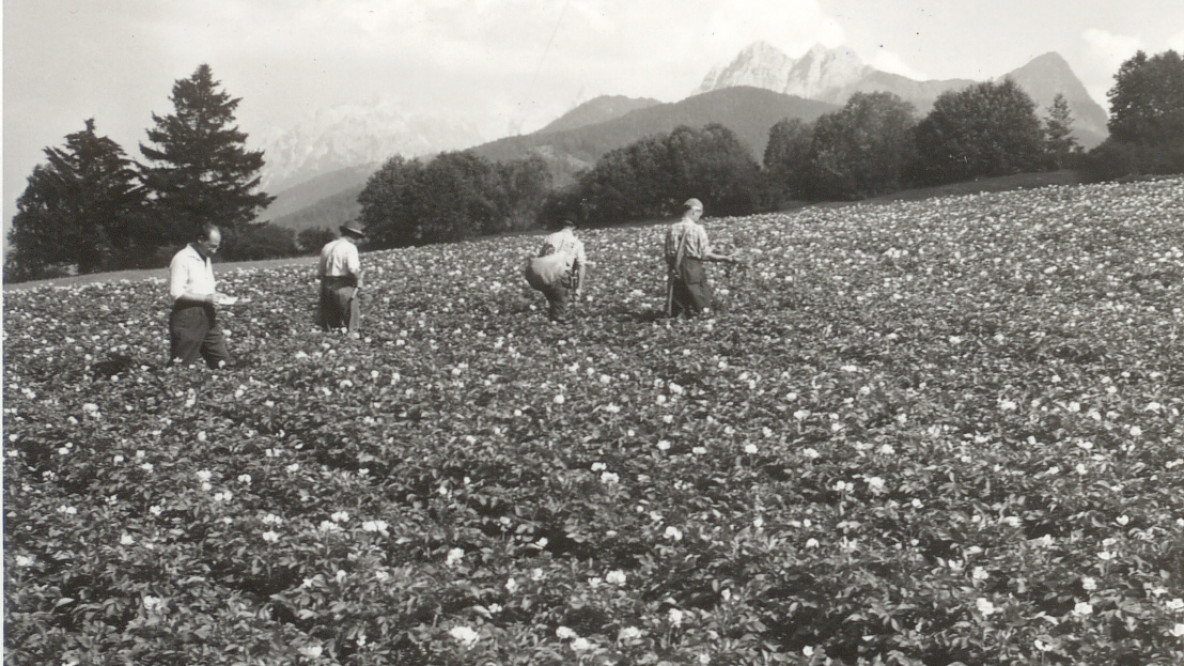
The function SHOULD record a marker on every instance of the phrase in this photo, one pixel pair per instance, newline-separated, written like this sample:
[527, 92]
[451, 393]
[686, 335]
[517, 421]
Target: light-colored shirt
[189, 272]
[697, 245]
[564, 242]
[339, 258]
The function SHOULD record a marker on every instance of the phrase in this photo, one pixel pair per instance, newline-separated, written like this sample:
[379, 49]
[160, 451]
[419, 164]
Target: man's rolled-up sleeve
[178, 277]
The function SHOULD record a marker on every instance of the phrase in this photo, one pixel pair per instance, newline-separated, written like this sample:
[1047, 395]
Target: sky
[505, 66]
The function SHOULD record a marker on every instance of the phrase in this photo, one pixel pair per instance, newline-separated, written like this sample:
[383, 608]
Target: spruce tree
[1059, 142]
[81, 208]
[200, 170]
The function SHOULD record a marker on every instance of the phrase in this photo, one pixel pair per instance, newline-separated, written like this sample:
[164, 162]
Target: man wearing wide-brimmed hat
[558, 269]
[340, 271]
[686, 248]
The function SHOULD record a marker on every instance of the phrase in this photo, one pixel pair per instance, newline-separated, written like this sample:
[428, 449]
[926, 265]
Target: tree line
[92, 207]
[874, 145]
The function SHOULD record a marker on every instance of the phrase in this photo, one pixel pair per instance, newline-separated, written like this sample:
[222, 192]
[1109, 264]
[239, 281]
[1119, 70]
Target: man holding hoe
[688, 291]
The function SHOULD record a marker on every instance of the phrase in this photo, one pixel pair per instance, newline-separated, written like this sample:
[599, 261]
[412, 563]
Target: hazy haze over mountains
[356, 135]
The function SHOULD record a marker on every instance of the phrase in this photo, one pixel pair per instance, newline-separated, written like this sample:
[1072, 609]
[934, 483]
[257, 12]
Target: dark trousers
[558, 301]
[193, 332]
[691, 293]
[338, 304]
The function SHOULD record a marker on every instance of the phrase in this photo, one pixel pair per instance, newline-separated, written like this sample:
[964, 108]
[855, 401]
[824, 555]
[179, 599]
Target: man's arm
[354, 266]
[724, 258]
[710, 254]
[580, 263]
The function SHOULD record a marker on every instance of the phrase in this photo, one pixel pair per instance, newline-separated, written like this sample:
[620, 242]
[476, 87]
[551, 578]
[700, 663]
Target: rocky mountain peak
[760, 65]
[822, 73]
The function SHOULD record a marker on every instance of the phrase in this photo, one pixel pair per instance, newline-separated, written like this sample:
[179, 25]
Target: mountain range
[317, 168]
[833, 75]
[595, 127]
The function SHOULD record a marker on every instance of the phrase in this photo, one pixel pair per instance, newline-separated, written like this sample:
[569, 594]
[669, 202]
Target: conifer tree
[82, 208]
[200, 170]
[1059, 142]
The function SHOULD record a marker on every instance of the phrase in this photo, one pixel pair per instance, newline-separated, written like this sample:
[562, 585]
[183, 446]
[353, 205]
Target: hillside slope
[747, 111]
[596, 111]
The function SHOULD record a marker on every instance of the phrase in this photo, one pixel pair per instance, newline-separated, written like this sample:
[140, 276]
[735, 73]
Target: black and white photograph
[593, 332]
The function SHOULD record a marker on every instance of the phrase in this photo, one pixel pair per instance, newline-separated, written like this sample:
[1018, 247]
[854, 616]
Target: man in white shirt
[340, 272]
[193, 325]
[558, 270]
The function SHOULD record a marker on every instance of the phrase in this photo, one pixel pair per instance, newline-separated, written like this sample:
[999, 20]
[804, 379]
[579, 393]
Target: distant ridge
[749, 112]
[309, 192]
[598, 110]
[748, 94]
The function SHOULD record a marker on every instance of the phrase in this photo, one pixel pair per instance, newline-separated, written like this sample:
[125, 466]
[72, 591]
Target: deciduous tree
[863, 149]
[1146, 118]
[787, 157]
[452, 197]
[651, 177]
[1147, 100]
[987, 129]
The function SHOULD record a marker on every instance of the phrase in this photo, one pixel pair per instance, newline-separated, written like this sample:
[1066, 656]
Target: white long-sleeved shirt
[189, 272]
[339, 258]
[564, 242]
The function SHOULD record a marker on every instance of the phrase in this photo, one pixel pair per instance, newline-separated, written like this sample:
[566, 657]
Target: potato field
[935, 432]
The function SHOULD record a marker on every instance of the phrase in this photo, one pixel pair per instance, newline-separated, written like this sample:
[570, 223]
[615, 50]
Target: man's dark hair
[205, 229]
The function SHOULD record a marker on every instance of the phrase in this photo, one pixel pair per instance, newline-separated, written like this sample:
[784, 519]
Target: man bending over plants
[558, 270]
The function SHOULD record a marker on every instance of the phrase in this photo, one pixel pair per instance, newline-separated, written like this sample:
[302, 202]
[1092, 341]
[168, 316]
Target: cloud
[887, 61]
[1176, 42]
[1111, 47]
[1103, 53]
